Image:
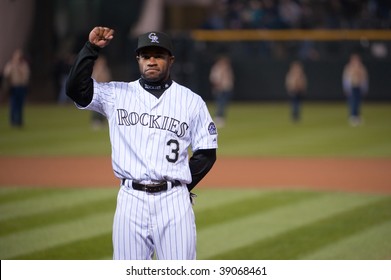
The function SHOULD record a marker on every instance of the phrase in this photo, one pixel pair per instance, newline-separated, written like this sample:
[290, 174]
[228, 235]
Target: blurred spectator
[296, 87]
[271, 19]
[101, 73]
[355, 84]
[308, 14]
[17, 78]
[222, 80]
[252, 14]
[382, 12]
[216, 17]
[290, 13]
[235, 10]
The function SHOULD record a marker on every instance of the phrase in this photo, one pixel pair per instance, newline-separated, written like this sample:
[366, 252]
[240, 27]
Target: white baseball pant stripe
[142, 225]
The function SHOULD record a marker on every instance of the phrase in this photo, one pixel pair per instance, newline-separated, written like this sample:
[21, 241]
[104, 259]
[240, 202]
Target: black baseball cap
[154, 39]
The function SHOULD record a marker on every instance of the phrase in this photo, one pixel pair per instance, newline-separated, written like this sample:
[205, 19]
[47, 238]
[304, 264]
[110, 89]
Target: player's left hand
[101, 36]
[192, 198]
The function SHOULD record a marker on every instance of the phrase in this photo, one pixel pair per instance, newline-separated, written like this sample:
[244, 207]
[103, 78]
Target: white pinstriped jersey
[150, 136]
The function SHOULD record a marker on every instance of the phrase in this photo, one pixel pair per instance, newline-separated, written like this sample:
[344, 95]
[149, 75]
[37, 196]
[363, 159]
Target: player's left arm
[200, 164]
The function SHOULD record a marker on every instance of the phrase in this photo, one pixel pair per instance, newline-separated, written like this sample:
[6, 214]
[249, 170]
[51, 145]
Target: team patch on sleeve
[212, 129]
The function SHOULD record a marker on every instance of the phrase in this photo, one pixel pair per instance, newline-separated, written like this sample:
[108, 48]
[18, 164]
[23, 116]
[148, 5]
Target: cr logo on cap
[153, 37]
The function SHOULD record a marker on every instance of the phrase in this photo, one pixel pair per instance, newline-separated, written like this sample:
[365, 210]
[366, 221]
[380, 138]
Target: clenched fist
[101, 36]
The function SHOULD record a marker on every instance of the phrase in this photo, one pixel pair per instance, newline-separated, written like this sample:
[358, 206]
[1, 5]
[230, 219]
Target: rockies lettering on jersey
[178, 120]
[152, 121]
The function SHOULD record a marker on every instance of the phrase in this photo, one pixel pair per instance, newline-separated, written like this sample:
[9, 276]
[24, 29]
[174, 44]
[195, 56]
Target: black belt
[152, 188]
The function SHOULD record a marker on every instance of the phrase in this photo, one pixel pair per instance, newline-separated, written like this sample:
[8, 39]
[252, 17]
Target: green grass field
[265, 223]
[234, 224]
[252, 130]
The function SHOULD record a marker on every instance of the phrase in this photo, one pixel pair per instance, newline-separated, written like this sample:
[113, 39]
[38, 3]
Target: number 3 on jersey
[174, 153]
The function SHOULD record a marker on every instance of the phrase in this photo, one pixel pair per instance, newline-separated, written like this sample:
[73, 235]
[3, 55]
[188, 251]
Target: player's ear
[172, 59]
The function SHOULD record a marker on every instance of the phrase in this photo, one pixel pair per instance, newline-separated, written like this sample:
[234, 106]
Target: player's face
[155, 64]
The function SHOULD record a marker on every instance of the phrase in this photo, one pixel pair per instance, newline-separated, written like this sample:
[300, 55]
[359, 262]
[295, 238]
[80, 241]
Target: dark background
[260, 67]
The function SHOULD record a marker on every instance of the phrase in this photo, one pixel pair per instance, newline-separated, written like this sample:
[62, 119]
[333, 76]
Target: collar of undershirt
[155, 88]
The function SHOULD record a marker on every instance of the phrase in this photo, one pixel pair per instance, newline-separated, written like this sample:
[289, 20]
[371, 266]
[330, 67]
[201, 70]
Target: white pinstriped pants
[145, 223]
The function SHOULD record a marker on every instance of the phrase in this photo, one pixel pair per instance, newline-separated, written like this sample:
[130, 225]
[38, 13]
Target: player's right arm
[79, 84]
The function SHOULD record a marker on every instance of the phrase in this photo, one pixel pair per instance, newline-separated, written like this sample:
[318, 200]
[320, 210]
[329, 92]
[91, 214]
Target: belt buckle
[154, 188]
[149, 189]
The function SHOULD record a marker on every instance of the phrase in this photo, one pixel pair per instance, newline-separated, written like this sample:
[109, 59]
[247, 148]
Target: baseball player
[152, 122]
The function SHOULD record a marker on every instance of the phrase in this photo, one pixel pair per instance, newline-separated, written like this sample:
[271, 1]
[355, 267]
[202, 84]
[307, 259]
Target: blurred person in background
[296, 87]
[17, 76]
[355, 84]
[102, 74]
[221, 78]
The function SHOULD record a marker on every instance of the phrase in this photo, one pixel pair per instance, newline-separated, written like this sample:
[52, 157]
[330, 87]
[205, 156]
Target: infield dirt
[362, 175]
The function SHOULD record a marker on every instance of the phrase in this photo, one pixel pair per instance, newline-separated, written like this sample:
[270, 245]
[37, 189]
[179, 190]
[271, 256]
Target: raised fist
[101, 36]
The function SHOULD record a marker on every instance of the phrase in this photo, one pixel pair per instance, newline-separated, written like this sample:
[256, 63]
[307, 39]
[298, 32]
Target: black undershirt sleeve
[200, 163]
[79, 85]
